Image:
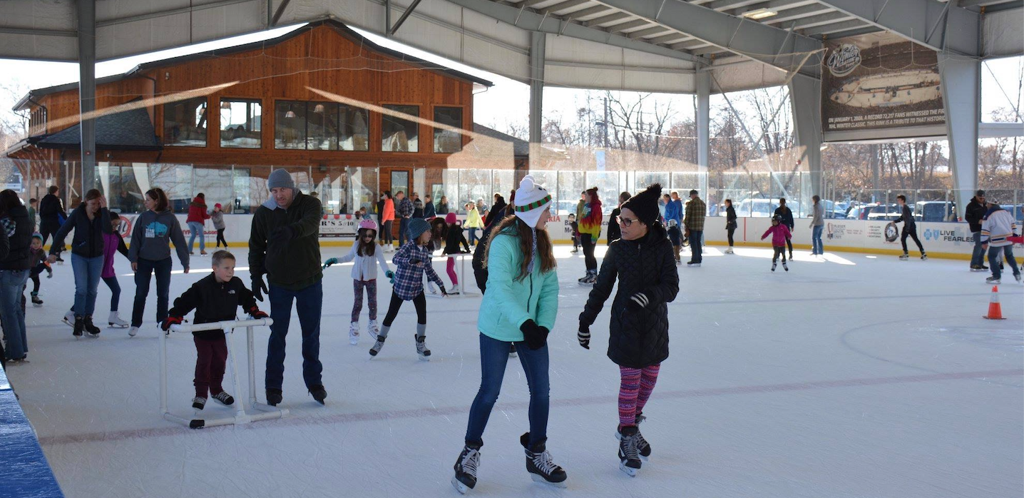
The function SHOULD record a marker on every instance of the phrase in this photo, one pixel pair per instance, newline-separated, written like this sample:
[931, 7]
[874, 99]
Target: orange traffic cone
[995, 312]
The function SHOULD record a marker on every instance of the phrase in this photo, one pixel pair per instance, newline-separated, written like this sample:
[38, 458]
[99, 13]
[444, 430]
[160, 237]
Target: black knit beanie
[645, 204]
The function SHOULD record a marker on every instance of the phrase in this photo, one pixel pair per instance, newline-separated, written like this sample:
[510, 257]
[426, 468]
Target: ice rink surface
[853, 376]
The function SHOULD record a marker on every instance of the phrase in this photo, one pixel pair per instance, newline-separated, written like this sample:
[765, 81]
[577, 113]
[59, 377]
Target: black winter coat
[730, 217]
[214, 302]
[975, 214]
[454, 239]
[787, 216]
[479, 272]
[51, 210]
[639, 339]
[614, 230]
[88, 239]
[19, 232]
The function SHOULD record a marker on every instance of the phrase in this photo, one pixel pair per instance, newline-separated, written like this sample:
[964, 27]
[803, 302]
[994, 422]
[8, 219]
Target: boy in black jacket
[215, 298]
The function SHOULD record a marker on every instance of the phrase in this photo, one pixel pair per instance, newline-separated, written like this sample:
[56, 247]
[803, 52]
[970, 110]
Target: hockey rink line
[344, 418]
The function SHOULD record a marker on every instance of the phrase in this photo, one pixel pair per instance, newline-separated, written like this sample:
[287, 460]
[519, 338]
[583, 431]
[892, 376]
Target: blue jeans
[12, 289]
[143, 275]
[403, 231]
[696, 238]
[87, 282]
[308, 303]
[115, 292]
[978, 256]
[993, 260]
[196, 230]
[472, 236]
[816, 247]
[493, 358]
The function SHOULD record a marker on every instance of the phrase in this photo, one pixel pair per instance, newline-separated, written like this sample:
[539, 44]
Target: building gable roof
[520, 147]
[336, 25]
[127, 130]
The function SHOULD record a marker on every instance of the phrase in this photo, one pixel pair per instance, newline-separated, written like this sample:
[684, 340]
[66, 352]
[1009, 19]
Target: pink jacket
[780, 233]
[112, 244]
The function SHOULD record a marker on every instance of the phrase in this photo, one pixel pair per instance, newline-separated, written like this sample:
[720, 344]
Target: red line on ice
[582, 401]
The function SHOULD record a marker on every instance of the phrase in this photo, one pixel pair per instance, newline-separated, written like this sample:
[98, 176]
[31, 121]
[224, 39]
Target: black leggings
[789, 242]
[588, 251]
[420, 302]
[912, 233]
[386, 234]
[731, 230]
[779, 250]
[220, 238]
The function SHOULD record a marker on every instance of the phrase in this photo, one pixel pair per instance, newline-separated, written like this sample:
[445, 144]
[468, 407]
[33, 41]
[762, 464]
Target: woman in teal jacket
[518, 308]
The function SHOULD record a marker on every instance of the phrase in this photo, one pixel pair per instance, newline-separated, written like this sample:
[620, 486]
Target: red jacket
[197, 211]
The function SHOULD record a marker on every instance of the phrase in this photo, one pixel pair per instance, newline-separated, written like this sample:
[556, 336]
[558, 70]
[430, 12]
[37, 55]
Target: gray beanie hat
[280, 178]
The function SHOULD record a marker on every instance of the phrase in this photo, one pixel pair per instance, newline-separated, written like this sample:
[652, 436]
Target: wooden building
[269, 118]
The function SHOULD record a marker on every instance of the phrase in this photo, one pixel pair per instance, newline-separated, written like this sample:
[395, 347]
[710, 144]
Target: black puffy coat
[19, 232]
[639, 339]
[975, 214]
[614, 231]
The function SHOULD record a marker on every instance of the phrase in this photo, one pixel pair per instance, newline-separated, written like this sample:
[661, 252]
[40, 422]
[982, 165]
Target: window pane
[185, 123]
[289, 125]
[447, 141]
[400, 135]
[355, 128]
[240, 123]
[323, 126]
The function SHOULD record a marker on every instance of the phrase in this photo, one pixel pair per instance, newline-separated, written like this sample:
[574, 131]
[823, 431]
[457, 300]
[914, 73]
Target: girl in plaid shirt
[412, 260]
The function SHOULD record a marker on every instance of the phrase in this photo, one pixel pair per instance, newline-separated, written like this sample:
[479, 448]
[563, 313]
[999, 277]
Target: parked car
[935, 211]
[832, 210]
[875, 212]
[756, 208]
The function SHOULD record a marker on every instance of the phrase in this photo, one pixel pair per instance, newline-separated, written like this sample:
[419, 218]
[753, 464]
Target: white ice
[856, 376]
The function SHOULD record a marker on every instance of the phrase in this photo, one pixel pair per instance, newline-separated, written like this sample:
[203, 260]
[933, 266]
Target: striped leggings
[634, 391]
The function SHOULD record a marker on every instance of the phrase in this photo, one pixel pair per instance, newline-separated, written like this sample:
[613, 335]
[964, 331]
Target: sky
[506, 102]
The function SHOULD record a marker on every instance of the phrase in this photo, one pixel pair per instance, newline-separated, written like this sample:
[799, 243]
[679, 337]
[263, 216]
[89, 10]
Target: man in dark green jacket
[284, 245]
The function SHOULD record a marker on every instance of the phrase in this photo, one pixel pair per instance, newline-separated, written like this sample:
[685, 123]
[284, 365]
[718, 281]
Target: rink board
[25, 471]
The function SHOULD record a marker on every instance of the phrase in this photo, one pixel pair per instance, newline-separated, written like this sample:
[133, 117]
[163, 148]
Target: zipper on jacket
[531, 294]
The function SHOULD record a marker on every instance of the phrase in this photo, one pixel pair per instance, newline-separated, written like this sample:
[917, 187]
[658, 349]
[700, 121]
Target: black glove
[638, 302]
[534, 336]
[584, 335]
[259, 287]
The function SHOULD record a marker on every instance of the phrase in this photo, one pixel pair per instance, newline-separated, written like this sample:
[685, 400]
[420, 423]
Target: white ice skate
[353, 333]
[372, 328]
[132, 331]
[455, 290]
[116, 322]
[904, 257]
[728, 251]
[421, 348]
[69, 319]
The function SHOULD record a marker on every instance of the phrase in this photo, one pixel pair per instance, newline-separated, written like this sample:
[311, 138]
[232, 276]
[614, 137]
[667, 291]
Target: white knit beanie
[531, 201]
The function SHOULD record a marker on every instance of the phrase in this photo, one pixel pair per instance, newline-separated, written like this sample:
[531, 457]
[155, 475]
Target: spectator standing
[730, 223]
[417, 206]
[694, 223]
[442, 206]
[817, 226]
[404, 210]
[429, 210]
[284, 245]
[974, 215]
[387, 218]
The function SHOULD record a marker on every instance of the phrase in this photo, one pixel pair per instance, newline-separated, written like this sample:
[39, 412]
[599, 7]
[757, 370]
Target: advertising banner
[880, 82]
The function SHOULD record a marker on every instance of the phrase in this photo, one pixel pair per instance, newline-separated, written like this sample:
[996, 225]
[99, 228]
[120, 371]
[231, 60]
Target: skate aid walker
[241, 417]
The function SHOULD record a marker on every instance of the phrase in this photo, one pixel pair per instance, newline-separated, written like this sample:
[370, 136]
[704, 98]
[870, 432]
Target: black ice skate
[224, 398]
[629, 454]
[773, 266]
[319, 393]
[274, 396]
[641, 444]
[79, 327]
[198, 403]
[93, 330]
[539, 464]
[35, 299]
[465, 469]
[784, 266]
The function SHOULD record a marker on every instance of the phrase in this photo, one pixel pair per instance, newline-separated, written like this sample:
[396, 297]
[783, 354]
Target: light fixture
[225, 104]
[759, 14]
[289, 114]
[319, 109]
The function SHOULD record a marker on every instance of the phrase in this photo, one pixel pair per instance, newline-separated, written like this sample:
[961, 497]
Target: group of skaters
[513, 262]
[995, 230]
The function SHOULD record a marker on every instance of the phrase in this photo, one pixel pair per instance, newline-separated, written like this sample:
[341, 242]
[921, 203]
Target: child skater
[451, 247]
[575, 227]
[411, 261]
[438, 236]
[780, 234]
[39, 265]
[215, 298]
[217, 217]
[675, 236]
[364, 276]
[643, 263]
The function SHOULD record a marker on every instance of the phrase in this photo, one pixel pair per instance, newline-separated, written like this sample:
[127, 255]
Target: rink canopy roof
[637, 45]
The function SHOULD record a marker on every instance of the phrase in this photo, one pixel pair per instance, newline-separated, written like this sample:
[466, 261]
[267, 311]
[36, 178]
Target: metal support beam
[961, 99]
[618, 16]
[805, 98]
[537, 46]
[533, 21]
[279, 12]
[958, 29]
[746, 38]
[405, 15]
[703, 81]
[87, 89]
